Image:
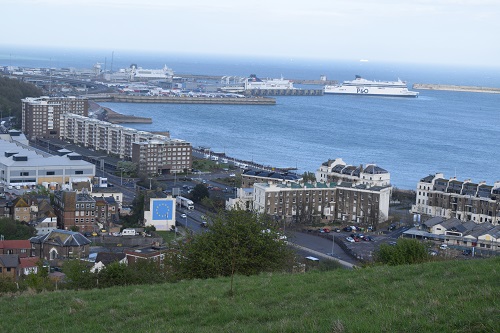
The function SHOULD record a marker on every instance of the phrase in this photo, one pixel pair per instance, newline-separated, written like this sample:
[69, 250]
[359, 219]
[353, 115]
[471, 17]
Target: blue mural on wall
[162, 210]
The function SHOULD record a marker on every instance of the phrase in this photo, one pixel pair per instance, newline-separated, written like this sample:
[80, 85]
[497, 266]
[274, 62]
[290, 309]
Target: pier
[284, 92]
[182, 99]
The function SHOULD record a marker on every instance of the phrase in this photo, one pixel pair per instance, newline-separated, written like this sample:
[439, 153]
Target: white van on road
[129, 232]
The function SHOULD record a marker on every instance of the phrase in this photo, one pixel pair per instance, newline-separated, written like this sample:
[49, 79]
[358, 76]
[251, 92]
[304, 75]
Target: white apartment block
[338, 171]
[323, 201]
[465, 201]
[154, 153]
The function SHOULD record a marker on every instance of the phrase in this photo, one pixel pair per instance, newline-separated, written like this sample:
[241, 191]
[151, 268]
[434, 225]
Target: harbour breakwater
[448, 87]
[182, 99]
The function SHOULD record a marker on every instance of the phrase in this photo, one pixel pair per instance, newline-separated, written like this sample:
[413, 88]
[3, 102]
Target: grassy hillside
[454, 296]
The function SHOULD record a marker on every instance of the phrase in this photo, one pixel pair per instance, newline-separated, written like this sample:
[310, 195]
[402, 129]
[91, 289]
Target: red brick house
[20, 247]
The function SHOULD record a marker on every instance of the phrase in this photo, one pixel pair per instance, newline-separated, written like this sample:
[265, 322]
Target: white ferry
[360, 86]
[255, 83]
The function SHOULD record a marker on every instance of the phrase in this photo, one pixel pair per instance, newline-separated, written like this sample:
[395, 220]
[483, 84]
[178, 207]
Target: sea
[454, 133]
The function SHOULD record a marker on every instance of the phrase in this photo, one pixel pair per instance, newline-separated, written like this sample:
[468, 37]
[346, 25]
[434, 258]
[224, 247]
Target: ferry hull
[363, 87]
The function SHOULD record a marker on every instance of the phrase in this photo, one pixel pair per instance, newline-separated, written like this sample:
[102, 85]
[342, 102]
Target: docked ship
[360, 86]
[255, 83]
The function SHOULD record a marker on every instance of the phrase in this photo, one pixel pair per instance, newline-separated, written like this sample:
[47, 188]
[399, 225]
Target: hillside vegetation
[11, 93]
[453, 296]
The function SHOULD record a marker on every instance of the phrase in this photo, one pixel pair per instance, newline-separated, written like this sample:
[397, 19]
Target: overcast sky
[425, 31]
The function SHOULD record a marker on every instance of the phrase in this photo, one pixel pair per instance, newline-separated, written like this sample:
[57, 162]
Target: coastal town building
[154, 153]
[459, 234]
[40, 115]
[323, 202]
[22, 165]
[60, 244]
[21, 247]
[250, 177]
[338, 171]
[75, 209]
[463, 200]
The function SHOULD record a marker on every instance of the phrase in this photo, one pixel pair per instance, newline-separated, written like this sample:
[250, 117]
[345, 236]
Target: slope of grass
[453, 296]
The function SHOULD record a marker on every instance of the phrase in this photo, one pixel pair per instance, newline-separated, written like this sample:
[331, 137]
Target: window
[78, 172]
[50, 173]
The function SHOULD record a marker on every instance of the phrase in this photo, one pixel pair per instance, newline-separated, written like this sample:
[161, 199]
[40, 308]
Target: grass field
[452, 296]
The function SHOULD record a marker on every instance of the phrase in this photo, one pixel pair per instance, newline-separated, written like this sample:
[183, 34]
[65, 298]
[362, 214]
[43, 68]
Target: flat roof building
[22, 165]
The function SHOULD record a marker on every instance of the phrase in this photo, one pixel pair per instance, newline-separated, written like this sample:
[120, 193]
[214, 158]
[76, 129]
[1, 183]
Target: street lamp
[121, 176]
[150, 183]
[186, 221]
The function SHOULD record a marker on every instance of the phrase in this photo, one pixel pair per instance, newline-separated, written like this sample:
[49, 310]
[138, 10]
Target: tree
[128, 169]
[237, 242]
[11, 229]
[309, 177]
[405, 252]
[200, 191]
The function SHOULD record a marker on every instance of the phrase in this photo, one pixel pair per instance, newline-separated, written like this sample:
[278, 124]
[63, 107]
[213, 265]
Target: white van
[129, 232]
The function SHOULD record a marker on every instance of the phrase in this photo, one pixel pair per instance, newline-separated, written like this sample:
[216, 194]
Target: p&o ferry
[360, 86]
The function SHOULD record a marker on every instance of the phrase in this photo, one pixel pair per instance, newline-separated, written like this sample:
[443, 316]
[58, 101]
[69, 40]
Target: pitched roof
[15, 244]
[61, 238]
[29, 262]
[433, 221]
[107, 258]
[9, 260]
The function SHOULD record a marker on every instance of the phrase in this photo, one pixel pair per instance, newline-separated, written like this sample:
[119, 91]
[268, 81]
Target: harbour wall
[284, 92]
[447, 87]
[182, 100]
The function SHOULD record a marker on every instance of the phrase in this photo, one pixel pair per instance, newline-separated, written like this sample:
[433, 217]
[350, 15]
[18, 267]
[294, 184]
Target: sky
[456, 32]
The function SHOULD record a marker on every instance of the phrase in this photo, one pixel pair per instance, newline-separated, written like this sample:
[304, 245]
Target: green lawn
[452, 296]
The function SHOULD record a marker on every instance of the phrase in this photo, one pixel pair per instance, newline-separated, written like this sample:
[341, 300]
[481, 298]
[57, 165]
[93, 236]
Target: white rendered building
[338, 171]
[463, 200]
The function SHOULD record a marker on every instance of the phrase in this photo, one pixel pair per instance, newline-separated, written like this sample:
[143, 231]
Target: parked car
[183, 216]
[88, 234]
[467, 252]
[368, 238]
[443, 247]
[350, 239]
[94, 234]
[348, 229]
[232, 175]
[392, 243]
[433, 253]
[336, 230]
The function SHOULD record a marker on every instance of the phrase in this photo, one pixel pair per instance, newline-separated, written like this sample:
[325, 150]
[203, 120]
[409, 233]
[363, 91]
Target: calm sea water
[457, 133]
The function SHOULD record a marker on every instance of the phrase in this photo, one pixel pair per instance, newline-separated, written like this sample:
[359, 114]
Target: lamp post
[150, 182]
[186, 222]
[121, 176]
